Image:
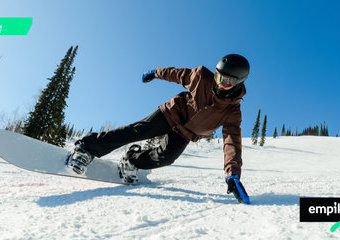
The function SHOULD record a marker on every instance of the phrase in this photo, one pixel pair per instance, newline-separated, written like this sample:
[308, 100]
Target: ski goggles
[225, 82]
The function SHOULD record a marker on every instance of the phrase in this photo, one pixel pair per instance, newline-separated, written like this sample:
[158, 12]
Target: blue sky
[292, 46]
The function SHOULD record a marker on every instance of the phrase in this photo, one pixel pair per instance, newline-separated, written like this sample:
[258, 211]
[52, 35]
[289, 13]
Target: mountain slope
[187, 200]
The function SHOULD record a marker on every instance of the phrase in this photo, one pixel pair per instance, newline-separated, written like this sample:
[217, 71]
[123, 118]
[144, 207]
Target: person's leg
[169, 150]
[100, 144]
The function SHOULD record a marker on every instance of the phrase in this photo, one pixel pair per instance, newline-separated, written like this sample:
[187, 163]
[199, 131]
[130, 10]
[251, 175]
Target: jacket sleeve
[232, 140]
[184, 76]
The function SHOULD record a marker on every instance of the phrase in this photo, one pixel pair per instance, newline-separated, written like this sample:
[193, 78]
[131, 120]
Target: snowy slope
[187, 200]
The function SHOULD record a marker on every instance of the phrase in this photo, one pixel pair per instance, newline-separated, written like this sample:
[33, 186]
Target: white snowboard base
[34, 155]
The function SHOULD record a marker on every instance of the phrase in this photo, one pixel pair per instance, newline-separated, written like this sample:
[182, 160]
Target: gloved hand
[148, 76]
[235, 186]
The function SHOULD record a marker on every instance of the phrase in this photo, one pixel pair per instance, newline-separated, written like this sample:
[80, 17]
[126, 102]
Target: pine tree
[255, 133]
[46, 121]
[313, 131]
[324, 129]
[283, 132]
[275, 133]
[70, 131]
[289, 132]
[91, 130]
[316, 131]
[263, 132]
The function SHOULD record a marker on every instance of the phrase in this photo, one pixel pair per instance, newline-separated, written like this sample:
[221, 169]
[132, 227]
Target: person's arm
[231, 132]
[177, 75]
[232, 155]
[183, 76]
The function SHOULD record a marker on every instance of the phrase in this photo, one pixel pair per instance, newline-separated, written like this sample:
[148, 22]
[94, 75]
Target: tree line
[321, 130]
[316, 130]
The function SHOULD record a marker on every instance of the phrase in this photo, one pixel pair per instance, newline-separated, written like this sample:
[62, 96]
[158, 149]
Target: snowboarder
[213, 100]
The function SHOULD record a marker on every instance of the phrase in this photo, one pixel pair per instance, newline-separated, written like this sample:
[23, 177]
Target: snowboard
[34, 155]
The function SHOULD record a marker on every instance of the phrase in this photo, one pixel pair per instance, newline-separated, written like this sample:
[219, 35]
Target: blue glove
[235, 186]
[148, 76]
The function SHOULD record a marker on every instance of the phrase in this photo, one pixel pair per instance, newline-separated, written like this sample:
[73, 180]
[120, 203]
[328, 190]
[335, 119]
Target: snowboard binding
[80, 158]
[127, 171]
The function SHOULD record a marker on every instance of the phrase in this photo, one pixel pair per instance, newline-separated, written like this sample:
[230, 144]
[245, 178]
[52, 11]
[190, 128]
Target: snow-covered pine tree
[46, 121]
[263, 132]
[256, 129]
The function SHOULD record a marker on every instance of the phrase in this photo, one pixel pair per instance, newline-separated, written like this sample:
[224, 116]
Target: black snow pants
[171, 147]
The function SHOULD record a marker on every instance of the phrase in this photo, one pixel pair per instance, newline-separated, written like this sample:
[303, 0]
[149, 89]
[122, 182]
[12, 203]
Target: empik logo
[320, 210]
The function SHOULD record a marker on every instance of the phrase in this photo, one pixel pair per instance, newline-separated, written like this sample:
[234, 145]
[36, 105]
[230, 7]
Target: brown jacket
[199, 112]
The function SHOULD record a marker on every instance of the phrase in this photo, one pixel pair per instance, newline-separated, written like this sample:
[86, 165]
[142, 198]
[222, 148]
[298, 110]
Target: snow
[187, 200]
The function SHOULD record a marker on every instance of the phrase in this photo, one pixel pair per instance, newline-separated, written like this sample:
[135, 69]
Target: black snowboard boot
[127, 171]
[80, 158]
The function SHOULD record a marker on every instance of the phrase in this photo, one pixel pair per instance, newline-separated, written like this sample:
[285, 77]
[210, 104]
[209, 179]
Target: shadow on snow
[279, 149]
[190, 196]
[125, 191]
[275, 199]
[194, 167]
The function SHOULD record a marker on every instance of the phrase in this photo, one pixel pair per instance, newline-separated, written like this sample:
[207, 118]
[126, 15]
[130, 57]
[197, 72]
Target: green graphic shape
[15, 25]
[335, 227]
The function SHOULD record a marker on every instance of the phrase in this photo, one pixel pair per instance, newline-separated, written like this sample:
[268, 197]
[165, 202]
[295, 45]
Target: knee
[88, 139]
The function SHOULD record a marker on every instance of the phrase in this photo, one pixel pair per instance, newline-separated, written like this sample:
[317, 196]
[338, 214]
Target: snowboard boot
[80, 158]
[127, 171]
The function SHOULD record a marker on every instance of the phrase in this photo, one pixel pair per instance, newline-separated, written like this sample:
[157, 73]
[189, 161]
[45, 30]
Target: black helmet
[234, 65]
